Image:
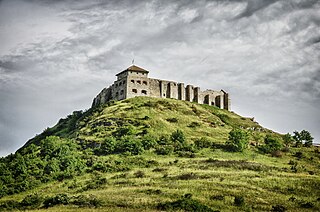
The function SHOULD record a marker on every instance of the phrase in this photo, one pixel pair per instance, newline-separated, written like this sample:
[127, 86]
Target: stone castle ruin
[134, 81]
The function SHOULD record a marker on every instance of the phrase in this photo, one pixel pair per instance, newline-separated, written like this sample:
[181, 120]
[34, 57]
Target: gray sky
[56, 56]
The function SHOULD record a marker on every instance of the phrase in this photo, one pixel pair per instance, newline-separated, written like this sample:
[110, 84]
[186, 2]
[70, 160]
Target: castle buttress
[134, 81]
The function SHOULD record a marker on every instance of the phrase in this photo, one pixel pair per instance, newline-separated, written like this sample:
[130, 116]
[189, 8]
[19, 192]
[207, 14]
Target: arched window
[117, 93]
[121, 92]
[138, 81]
[145, 83]
[132, 81]
[144, 92]
[134, 91]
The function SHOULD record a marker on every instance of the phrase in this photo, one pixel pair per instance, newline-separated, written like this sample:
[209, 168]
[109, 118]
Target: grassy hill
[148, 154]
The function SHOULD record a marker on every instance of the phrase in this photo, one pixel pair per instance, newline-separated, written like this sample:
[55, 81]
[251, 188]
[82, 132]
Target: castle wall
[130, 84]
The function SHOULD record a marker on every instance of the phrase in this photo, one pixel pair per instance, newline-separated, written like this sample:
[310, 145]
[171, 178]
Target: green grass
[262, 180]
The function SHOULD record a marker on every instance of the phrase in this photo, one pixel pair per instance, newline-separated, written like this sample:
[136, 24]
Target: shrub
[87, 201]
[203, 142]
[194, 124]
[123, 131]
[185, 203]
[164, 140]
[59, 199]
[239, 200]
[108, 146]
[306, 205]
[31, 201]
[178, 137]
[272, 143]
[299, 155]
[10, 205]
[288, 140]
[159, 169]
[217, 197]
[187, 176]
[148, 142]
[139, 174]
[164, 150]
[278, 208]
[172, 120]
[130, 145]
[276, 153]
[238, 140]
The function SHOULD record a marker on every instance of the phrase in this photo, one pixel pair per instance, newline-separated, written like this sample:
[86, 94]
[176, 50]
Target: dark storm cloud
[65, 52]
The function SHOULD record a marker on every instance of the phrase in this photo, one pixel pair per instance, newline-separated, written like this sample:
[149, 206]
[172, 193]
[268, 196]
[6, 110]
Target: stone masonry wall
[130, 84]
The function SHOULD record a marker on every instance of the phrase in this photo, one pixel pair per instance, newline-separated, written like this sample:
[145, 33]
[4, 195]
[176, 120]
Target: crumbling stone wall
[135, 82]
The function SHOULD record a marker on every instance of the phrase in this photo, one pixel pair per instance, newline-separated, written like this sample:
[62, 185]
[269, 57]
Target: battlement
[134, 81]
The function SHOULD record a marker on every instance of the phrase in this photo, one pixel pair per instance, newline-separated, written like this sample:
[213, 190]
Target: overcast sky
[56, 56]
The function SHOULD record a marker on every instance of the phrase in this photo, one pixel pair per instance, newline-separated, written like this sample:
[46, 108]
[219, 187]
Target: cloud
[262, 52]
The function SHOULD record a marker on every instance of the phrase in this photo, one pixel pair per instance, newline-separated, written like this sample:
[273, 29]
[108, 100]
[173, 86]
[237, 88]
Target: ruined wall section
[130, 84]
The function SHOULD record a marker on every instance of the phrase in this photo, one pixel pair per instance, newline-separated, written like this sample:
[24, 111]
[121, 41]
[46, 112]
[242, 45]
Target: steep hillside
[148, 154]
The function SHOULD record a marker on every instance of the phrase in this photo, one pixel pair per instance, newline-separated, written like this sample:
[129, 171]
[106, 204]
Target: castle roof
[135, 69]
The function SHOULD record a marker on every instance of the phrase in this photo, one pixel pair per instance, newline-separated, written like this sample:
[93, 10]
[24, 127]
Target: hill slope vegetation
[148, 154]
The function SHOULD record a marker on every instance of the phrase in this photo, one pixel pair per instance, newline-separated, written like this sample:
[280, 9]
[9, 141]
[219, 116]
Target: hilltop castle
[134, 81]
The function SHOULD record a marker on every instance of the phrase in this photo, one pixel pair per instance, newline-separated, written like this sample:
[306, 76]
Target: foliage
[288, 140]
[304, 137]
[238, 140]
[59, 199]
[239, 201]
[31, 201]
[203, 142]
[185, 203]
[271, 144]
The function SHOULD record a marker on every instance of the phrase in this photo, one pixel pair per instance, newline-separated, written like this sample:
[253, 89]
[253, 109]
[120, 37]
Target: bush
[239, 201]
[276, 153]
[178, 137]
[172, 120]
[59, 199]
[194, 124]
[139, 174]
[186, 203]
[87, 201]
[217, 197]
[272, 143]
[164, 150]
[149, 142]
[238, 140]
[31, 201]
[130, 145]
[10, 205]
[187, 176]
[107, 146]
[306, 205]
[278, 208]
[203, 142]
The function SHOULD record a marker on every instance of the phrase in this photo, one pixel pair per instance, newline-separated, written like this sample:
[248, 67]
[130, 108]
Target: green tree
[304, 137]
[288, 140]
[271, 144]
[238, 140]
